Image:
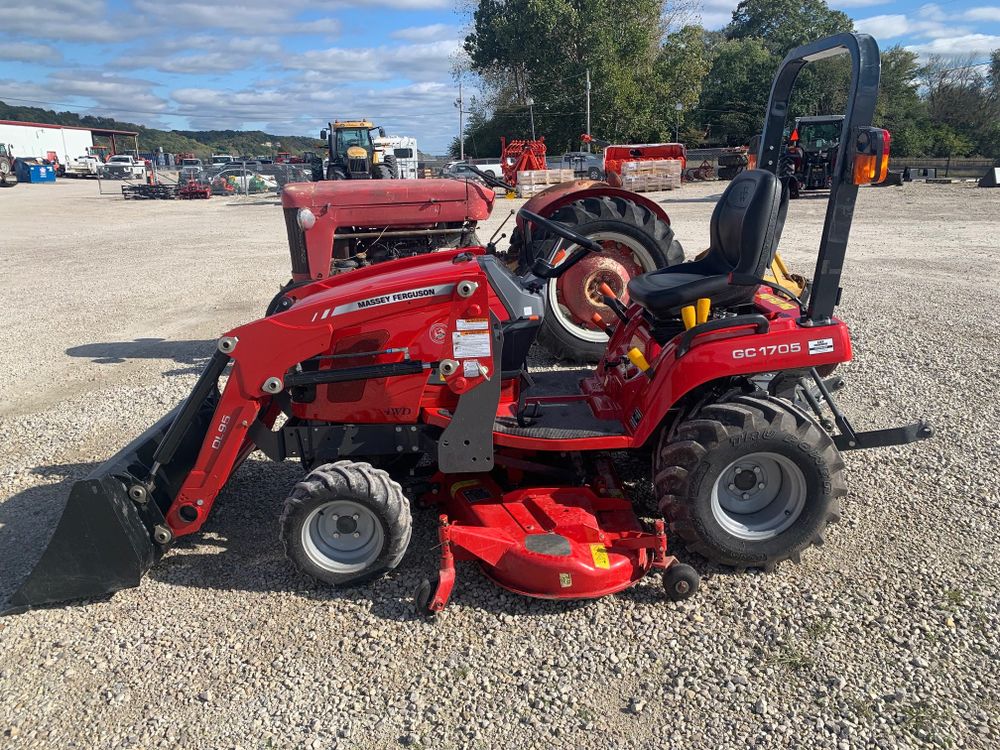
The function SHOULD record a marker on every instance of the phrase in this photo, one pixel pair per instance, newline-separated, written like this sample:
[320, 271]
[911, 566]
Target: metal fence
[943, 167]
[232, 179]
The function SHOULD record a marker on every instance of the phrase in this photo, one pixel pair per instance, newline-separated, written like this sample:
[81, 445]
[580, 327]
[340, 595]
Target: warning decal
[600, 554]
[470, 344]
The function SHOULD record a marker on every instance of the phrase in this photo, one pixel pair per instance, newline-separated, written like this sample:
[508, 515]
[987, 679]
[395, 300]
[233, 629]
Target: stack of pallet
[534, 181]
[653, 174]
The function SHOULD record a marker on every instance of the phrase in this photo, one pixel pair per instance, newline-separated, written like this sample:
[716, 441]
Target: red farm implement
[521, 156]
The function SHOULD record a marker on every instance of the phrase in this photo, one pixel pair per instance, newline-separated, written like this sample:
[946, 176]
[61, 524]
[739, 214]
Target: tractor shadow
[714, 198]
[239, 549]
[194, 354]
[28, 520]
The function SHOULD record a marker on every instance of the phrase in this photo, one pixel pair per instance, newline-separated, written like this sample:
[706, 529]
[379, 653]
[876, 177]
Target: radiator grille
[296, 243]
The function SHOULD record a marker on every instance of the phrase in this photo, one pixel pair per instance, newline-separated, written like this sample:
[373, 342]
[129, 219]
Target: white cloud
[885, 26]
[963, 44]
[838, 4]
[203, 53]
[428, 33]
[66, 20]
[422, 61]
[29, 52]
[248, 16]
[983, 14]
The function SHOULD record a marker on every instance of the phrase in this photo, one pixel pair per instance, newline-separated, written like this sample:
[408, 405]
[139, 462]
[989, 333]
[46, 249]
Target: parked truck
[123, 167]
[83, 166]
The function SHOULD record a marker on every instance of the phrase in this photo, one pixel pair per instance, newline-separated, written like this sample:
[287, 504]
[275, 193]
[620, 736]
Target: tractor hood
[384, 202]
[315, 211]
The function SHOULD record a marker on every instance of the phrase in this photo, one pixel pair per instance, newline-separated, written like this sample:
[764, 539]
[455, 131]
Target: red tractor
[709, 369]
[334, 227]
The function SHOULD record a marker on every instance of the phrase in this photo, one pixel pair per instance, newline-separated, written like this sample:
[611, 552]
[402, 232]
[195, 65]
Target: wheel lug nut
[355, 516]
[336, 535]
[357, 534]
[732, 486]
[746, 495]
[760, 486]
[334, 517]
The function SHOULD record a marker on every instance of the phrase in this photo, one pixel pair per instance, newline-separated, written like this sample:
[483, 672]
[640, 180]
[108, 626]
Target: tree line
[654, 70]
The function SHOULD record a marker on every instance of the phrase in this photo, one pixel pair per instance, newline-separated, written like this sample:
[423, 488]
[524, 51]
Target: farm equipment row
[359, 371]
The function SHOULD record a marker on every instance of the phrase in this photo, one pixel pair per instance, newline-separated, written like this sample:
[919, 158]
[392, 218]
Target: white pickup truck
[83, 166]
[122, 167]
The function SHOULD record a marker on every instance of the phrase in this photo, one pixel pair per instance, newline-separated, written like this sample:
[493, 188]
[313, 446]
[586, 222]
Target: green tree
[899, 108]
[735, 91]
[541, 49]
[784, 24]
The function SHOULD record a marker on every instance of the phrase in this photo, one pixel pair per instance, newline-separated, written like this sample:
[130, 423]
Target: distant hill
[200, 142]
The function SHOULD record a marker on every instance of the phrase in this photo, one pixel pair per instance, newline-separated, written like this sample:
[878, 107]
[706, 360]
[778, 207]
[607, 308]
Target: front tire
[346, 523]
[636, 241]
[749, 482]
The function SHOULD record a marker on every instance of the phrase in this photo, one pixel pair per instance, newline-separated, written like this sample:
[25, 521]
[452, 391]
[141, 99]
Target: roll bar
[865, 70]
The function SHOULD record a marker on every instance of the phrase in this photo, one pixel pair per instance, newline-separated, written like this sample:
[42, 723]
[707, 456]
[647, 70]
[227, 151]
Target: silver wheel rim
[758, 496]
[639, 255]
[342, 536]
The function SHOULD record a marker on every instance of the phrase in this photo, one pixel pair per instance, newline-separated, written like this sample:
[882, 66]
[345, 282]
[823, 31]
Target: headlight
[306, 219]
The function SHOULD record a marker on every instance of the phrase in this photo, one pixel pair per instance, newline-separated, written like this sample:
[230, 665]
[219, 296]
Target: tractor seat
[745, 228]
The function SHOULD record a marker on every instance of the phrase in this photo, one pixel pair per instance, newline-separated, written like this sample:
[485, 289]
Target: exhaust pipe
[113, 530]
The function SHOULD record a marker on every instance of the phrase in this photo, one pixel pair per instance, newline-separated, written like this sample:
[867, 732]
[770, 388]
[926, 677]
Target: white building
[36, 139]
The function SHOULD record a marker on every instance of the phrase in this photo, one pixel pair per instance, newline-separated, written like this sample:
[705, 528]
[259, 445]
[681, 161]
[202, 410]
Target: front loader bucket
[104, 540]
[99, 546]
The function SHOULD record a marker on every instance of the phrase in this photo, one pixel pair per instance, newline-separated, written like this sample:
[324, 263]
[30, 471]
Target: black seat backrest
[746, 224]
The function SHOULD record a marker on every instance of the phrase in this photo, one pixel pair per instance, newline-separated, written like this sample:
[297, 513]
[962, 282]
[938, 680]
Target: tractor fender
[551, 200]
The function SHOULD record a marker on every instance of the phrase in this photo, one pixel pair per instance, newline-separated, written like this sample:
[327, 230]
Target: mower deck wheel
[680, 581]
[422, 598]
[749, 482]
[346, 523]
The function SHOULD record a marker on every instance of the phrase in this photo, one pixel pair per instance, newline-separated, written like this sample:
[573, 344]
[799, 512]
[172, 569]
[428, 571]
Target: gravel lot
[885, 637]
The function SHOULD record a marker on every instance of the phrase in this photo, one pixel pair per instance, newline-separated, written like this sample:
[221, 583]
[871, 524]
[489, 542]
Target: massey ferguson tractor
[405, 385]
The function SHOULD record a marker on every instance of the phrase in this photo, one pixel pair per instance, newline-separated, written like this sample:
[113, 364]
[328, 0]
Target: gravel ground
[885, 637]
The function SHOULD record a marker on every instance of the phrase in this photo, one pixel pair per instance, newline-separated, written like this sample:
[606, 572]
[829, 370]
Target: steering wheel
[561, 230]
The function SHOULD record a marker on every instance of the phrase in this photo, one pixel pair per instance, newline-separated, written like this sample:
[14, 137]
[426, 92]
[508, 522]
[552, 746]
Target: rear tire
[346, 523]
[392, 165]
[749, 482]
[652, 244]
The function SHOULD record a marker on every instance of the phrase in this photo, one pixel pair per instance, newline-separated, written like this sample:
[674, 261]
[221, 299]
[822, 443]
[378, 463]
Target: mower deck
[543, 542]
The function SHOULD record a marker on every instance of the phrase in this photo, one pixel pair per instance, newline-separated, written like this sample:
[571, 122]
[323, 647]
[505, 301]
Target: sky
[290, 66]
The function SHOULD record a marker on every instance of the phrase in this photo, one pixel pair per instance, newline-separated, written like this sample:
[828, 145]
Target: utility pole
[461, 123]
[588, 107]
[531, 111]
[677, 121]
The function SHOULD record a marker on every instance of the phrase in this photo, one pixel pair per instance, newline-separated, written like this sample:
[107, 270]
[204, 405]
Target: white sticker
[470, 368]
[820, 346]
[470, 344]
[472, 324]
[528, 312]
